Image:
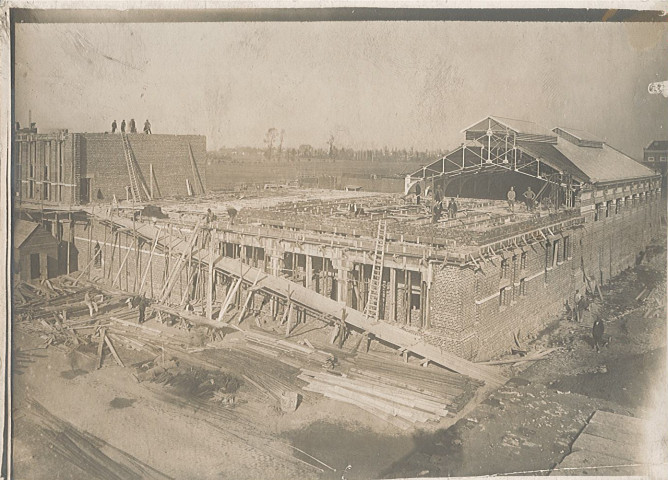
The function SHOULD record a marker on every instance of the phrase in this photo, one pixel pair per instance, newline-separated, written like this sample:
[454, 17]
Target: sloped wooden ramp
[610, 444]
[320, 305]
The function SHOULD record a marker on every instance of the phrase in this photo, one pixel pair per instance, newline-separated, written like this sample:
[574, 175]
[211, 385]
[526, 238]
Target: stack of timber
[454, 390]
[402, 407]
[285, 351]
[90, 456]
[271, 379]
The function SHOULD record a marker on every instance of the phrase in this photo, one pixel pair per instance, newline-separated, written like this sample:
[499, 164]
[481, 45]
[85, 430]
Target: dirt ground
[525, 426]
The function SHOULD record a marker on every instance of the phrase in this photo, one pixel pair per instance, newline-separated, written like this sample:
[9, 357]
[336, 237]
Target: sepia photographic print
[343, 241]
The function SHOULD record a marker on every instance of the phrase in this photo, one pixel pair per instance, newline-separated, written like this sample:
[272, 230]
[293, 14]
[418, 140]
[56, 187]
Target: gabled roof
[21, 230]
[517, 126]
[658, 145]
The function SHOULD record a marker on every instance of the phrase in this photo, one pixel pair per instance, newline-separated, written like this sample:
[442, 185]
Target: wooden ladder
[132, 172]
[372, 308]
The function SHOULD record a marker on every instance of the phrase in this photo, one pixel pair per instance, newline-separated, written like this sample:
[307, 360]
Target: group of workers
[581, 313]
[529, 199]
[138, 301]
[438, 207]
[131, 125]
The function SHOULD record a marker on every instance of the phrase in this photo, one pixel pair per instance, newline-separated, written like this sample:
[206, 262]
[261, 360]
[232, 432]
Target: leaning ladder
[134, 182]
[372, 308]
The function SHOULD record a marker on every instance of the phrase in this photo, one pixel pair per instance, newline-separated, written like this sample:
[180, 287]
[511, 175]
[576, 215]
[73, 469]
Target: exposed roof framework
[562, 158]
[495, 147]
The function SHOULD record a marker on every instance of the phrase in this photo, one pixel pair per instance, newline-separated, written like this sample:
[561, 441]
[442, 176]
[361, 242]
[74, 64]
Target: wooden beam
[209, 285]
[150, 259]
[120, 269]
[113, 351]
[100, 347]
[228, 300]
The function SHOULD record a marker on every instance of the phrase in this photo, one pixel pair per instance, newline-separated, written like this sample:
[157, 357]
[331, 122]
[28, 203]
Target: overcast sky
[371, 84]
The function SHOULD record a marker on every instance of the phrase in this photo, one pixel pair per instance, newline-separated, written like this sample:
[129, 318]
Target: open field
[376, 176]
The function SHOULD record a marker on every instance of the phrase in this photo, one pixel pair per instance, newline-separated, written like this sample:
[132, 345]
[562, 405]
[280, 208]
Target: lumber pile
[286, 351]
[402, 407]
[92, 455]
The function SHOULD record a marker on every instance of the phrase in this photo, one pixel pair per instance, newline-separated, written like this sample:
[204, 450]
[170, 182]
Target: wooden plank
[386, 332]
[113, 351]
[628, 452]
[594, 463]
[620, 421]
[100, 347]
[633, 437]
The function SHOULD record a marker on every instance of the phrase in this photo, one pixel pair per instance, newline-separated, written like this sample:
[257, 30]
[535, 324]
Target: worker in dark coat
[418, 192]
[133, 127]
[529, 197]
[597, 333]
[452, 208]
[113, 126]
[123, 126]
[143, 303]
[147, 127]
[578, 310]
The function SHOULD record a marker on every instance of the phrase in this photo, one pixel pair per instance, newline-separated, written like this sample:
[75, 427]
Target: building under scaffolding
[460, 289]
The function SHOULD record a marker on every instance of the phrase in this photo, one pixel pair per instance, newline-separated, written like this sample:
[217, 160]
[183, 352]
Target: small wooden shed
[35, 251]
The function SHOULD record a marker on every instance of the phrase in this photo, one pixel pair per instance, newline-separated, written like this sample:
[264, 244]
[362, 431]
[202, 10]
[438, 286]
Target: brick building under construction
[63, 168]
[460, 288]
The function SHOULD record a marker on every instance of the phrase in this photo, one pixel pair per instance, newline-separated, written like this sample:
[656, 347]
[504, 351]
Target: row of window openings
[557, 250]
[607, 209]
[505, 264]
[651, 159]
[508, 294]
[46, 191]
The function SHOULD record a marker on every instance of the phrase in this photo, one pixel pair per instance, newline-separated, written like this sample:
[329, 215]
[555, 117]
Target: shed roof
[21, 230]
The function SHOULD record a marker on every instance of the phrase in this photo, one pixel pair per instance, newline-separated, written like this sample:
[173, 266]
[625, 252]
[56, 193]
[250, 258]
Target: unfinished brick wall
[103, 161]
[469, 314]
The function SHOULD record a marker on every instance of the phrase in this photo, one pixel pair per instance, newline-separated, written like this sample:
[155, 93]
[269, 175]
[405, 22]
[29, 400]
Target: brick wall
[469, 314]
[103, 161]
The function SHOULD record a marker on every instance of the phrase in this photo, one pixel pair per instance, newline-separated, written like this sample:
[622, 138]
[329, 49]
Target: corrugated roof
[21, 230]
[602, 164]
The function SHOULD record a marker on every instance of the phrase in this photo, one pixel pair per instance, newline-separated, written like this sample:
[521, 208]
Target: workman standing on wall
[511, 199]
[529, 197]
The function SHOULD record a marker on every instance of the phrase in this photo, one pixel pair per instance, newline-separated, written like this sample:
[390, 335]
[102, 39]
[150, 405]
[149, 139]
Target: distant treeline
[305, 152]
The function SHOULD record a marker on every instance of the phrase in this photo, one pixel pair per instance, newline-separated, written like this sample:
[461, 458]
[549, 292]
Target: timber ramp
[311, 301]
